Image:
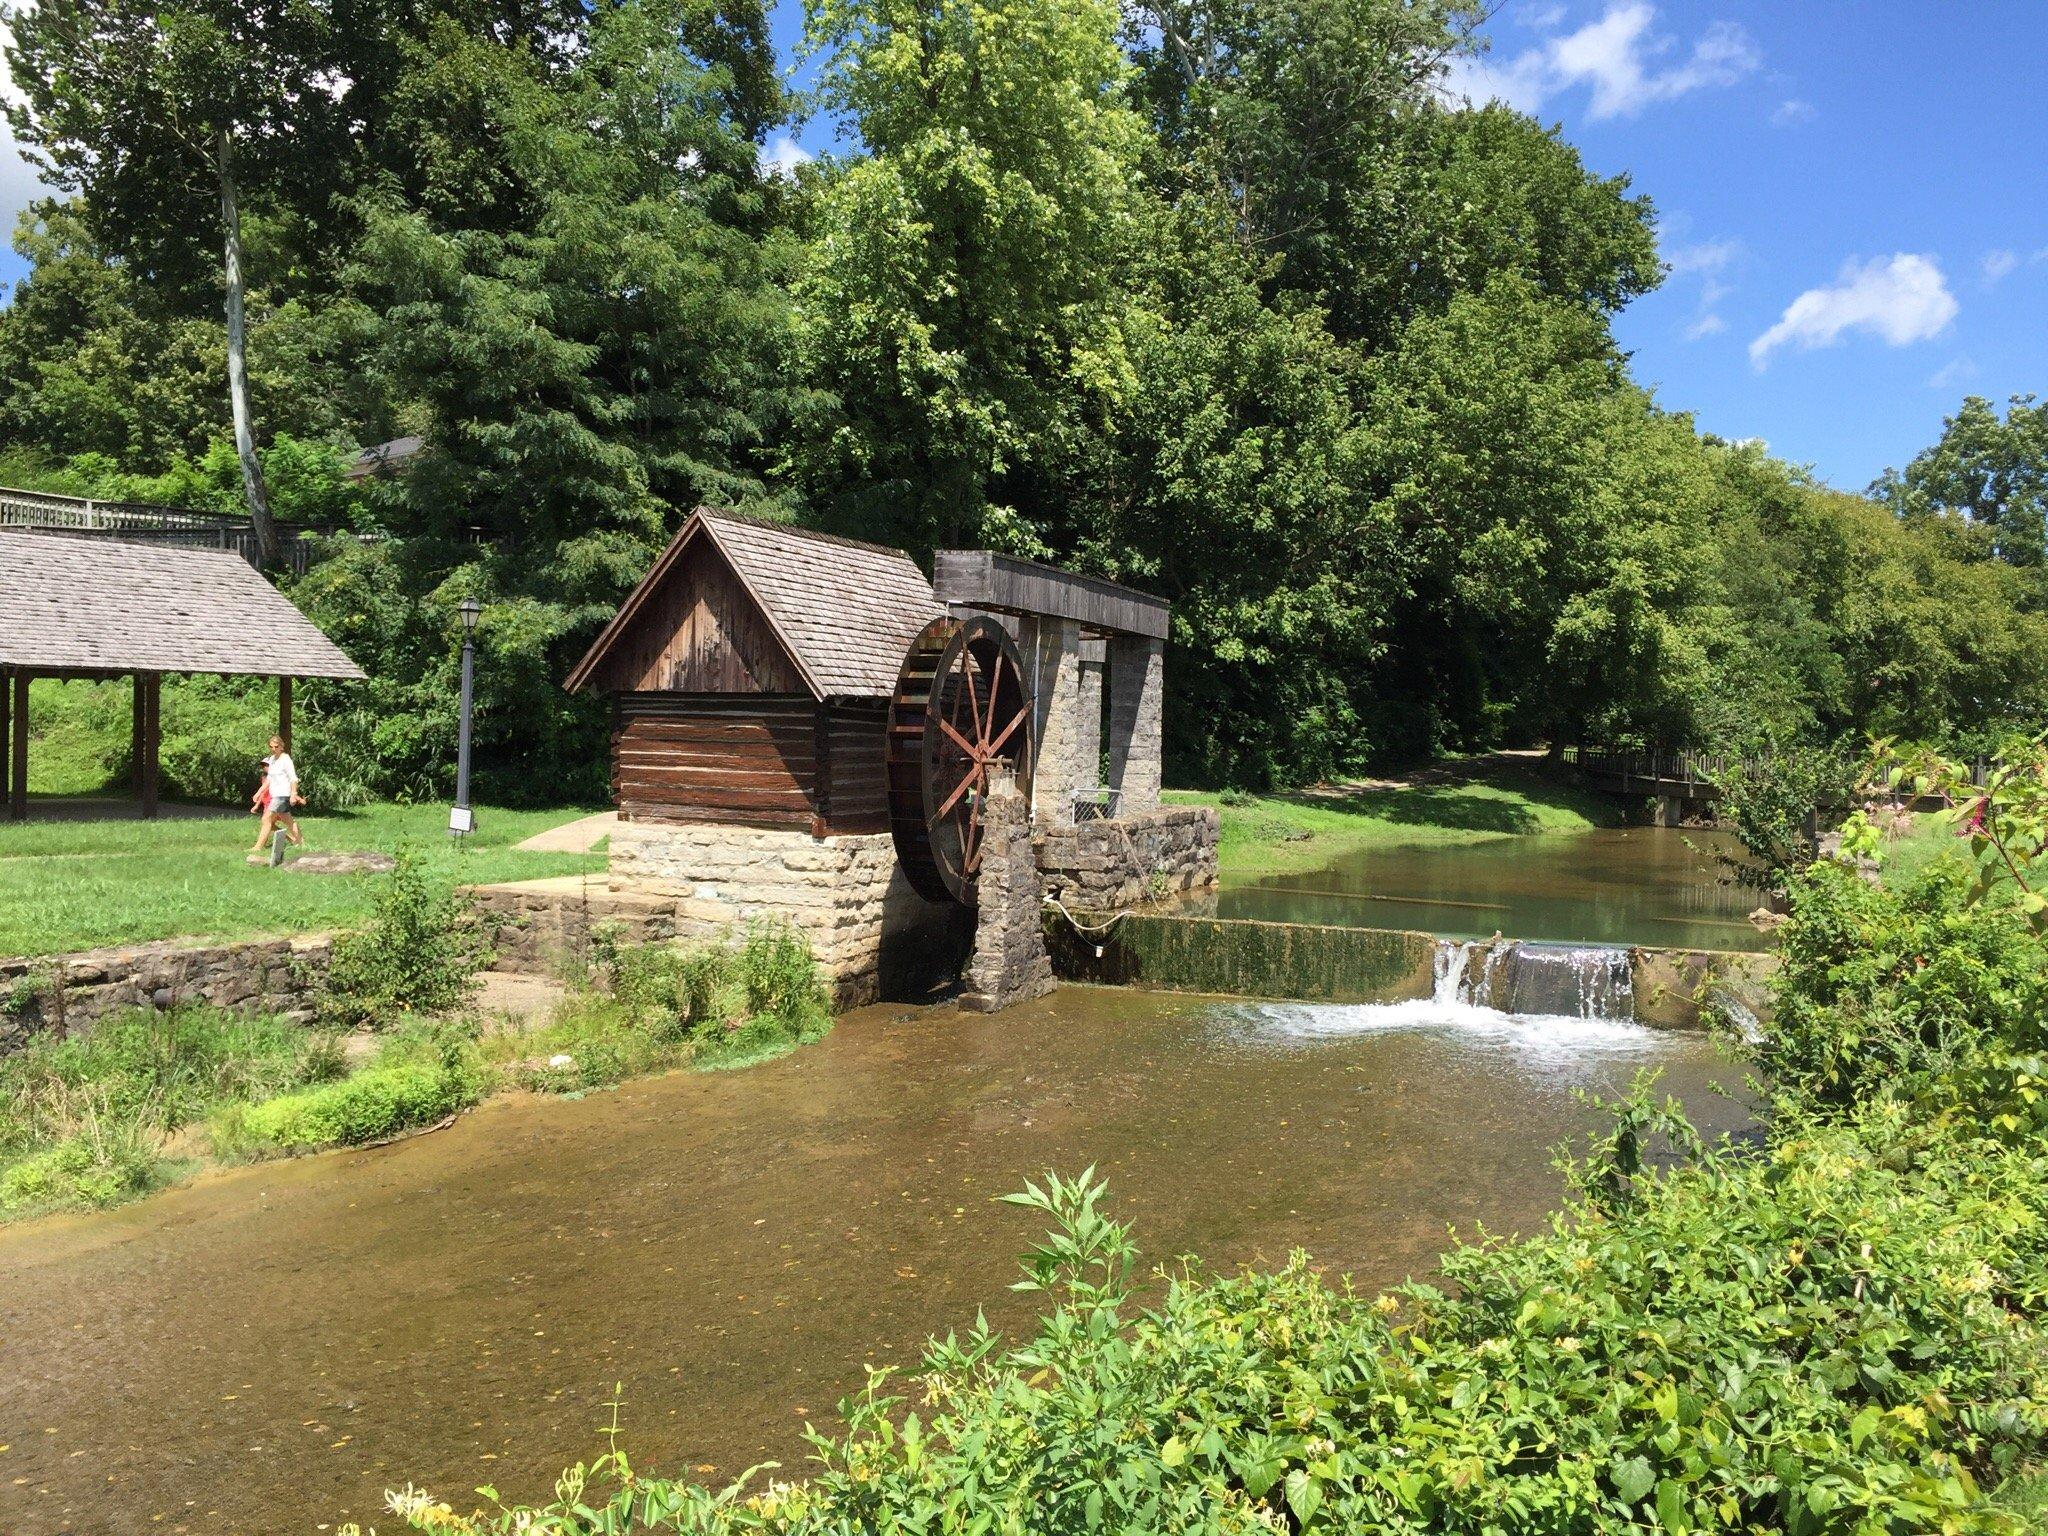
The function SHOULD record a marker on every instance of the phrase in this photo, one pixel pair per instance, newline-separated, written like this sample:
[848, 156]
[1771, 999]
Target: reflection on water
[269, 1349]
[1615, 885]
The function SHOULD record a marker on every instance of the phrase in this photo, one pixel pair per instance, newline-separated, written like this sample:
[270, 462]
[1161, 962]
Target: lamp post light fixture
[462, 820]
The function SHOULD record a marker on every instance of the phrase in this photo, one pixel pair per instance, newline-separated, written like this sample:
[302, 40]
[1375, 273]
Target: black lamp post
[461, 820]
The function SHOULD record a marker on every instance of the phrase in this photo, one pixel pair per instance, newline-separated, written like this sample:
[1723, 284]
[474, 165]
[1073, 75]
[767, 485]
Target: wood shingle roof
[94, 605]
[845, 611]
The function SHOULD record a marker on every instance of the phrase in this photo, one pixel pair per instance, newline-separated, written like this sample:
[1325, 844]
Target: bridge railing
[1662, 765]
[140, 523]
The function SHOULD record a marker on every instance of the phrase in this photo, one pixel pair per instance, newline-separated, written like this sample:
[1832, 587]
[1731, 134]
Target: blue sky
[1853, 195]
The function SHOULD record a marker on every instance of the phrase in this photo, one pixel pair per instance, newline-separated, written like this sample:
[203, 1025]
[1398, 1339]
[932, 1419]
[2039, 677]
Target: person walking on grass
[281, 778]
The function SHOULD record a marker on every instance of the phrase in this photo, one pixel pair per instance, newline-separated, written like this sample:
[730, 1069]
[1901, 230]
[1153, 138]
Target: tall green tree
[579, 301]
[155, 112]
[960, 306]
[1986, 471]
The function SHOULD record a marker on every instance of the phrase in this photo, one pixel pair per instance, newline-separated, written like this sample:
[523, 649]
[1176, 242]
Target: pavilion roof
[88, 606]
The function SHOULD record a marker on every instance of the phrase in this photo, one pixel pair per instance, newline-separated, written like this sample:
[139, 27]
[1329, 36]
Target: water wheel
[962, 703]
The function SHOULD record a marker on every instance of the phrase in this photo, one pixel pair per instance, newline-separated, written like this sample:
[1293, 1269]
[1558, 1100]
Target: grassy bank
[1454, 803]
[68, 885]
[147, 1097]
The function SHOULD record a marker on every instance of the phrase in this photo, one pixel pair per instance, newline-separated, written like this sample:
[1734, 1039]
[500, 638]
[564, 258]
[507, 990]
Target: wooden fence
[139, 523]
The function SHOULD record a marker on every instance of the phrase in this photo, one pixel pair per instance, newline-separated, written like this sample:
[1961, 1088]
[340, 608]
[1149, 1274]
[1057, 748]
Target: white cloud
[1623, 64]
[1540, 18]
[781, 155]
[1952, 374]
[1998, 264]
[1791, 112]
[1901, 299]
[1707, 256]
[1706, 260]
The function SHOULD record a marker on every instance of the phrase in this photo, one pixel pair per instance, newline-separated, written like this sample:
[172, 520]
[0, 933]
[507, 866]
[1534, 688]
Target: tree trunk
[268, 550]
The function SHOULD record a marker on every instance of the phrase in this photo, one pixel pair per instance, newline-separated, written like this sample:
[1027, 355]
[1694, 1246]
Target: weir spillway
[1175, 951]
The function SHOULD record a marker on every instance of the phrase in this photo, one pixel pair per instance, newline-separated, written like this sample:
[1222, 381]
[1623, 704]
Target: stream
[269, 1348]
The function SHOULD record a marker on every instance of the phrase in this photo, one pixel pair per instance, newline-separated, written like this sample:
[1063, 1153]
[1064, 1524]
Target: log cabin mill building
[99, 609]
[758, 677]
[750, 673]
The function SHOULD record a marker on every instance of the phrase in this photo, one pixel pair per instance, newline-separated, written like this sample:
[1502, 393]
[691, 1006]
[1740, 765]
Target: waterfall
[1584, 981]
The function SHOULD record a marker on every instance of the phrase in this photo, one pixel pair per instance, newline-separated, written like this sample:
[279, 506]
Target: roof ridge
[798, 530]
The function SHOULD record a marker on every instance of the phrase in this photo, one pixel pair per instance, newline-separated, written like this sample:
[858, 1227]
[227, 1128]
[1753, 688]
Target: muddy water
[268, 1349]
[1614, 885]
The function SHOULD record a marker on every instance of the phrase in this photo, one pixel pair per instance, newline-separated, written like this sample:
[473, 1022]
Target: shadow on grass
[1488, 796]
[1452, 808]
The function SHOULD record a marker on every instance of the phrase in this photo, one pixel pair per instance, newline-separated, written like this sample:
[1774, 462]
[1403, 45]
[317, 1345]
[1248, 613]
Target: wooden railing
[140, 523]
[1644, 769]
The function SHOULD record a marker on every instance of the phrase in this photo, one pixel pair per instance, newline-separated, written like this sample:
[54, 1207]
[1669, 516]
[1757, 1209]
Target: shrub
[1770, 795]
[732, 1005]
[83, 1119]
[420, 954]
[1801, 1343]
[399, 1092]
[1891, 991]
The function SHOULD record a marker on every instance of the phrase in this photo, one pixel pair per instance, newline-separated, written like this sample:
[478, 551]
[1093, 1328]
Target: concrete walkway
[579, 836]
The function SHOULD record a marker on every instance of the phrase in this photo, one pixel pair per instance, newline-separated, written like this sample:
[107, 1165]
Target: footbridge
[1680, 779]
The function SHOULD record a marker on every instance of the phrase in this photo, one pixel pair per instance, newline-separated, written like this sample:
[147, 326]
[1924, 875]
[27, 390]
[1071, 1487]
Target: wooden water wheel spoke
[1008, 731]
[960, 707]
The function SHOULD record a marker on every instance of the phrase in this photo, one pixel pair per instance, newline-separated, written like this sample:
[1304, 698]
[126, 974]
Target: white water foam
[1542, 1034]
[1461, 1006]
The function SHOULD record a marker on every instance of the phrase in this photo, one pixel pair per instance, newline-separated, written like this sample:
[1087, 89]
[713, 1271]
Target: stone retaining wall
[543, 927]
[1101, 866]
[67, 993]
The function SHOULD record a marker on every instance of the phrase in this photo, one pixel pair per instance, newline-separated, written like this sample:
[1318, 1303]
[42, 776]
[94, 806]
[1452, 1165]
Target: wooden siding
[755, 760]
[700, 632]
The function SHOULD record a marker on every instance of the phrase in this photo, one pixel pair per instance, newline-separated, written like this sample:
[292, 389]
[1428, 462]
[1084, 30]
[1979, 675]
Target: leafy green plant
[2004, 818]
[1771, 794]
[416, 1084]
[420, 953]
[84, 1119]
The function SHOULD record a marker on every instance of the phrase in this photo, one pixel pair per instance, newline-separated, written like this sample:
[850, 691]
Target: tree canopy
[1223, 298]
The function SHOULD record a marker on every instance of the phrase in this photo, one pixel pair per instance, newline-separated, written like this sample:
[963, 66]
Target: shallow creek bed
[270, 1348]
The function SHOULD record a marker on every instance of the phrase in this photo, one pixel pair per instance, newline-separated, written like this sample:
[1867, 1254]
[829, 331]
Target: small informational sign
[461, 820]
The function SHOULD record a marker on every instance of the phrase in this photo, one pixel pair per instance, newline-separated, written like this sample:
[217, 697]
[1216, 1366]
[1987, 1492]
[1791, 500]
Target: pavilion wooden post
[138, 736]
[284, 712]
[6, 746]
[17, 803]
[152, 739]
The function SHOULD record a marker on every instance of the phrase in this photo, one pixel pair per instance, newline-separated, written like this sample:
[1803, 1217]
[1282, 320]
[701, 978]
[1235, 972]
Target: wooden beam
[284, 712]
[18, 798]
[998, 583]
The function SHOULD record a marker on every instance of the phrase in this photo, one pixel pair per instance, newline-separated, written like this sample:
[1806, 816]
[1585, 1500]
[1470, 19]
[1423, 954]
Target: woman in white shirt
[282, 778]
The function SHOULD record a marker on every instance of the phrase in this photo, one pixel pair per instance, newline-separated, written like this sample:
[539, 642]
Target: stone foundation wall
[543, 927]
[870, 932]
[68, 993]
[1100, 866]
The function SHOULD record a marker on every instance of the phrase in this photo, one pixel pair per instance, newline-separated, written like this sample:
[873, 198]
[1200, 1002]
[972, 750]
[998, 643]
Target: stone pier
[1010, 964]
[1137, 693]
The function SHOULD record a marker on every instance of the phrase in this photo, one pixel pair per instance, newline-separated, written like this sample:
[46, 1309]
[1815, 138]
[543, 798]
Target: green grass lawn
[1487, 798]
[68, 885]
